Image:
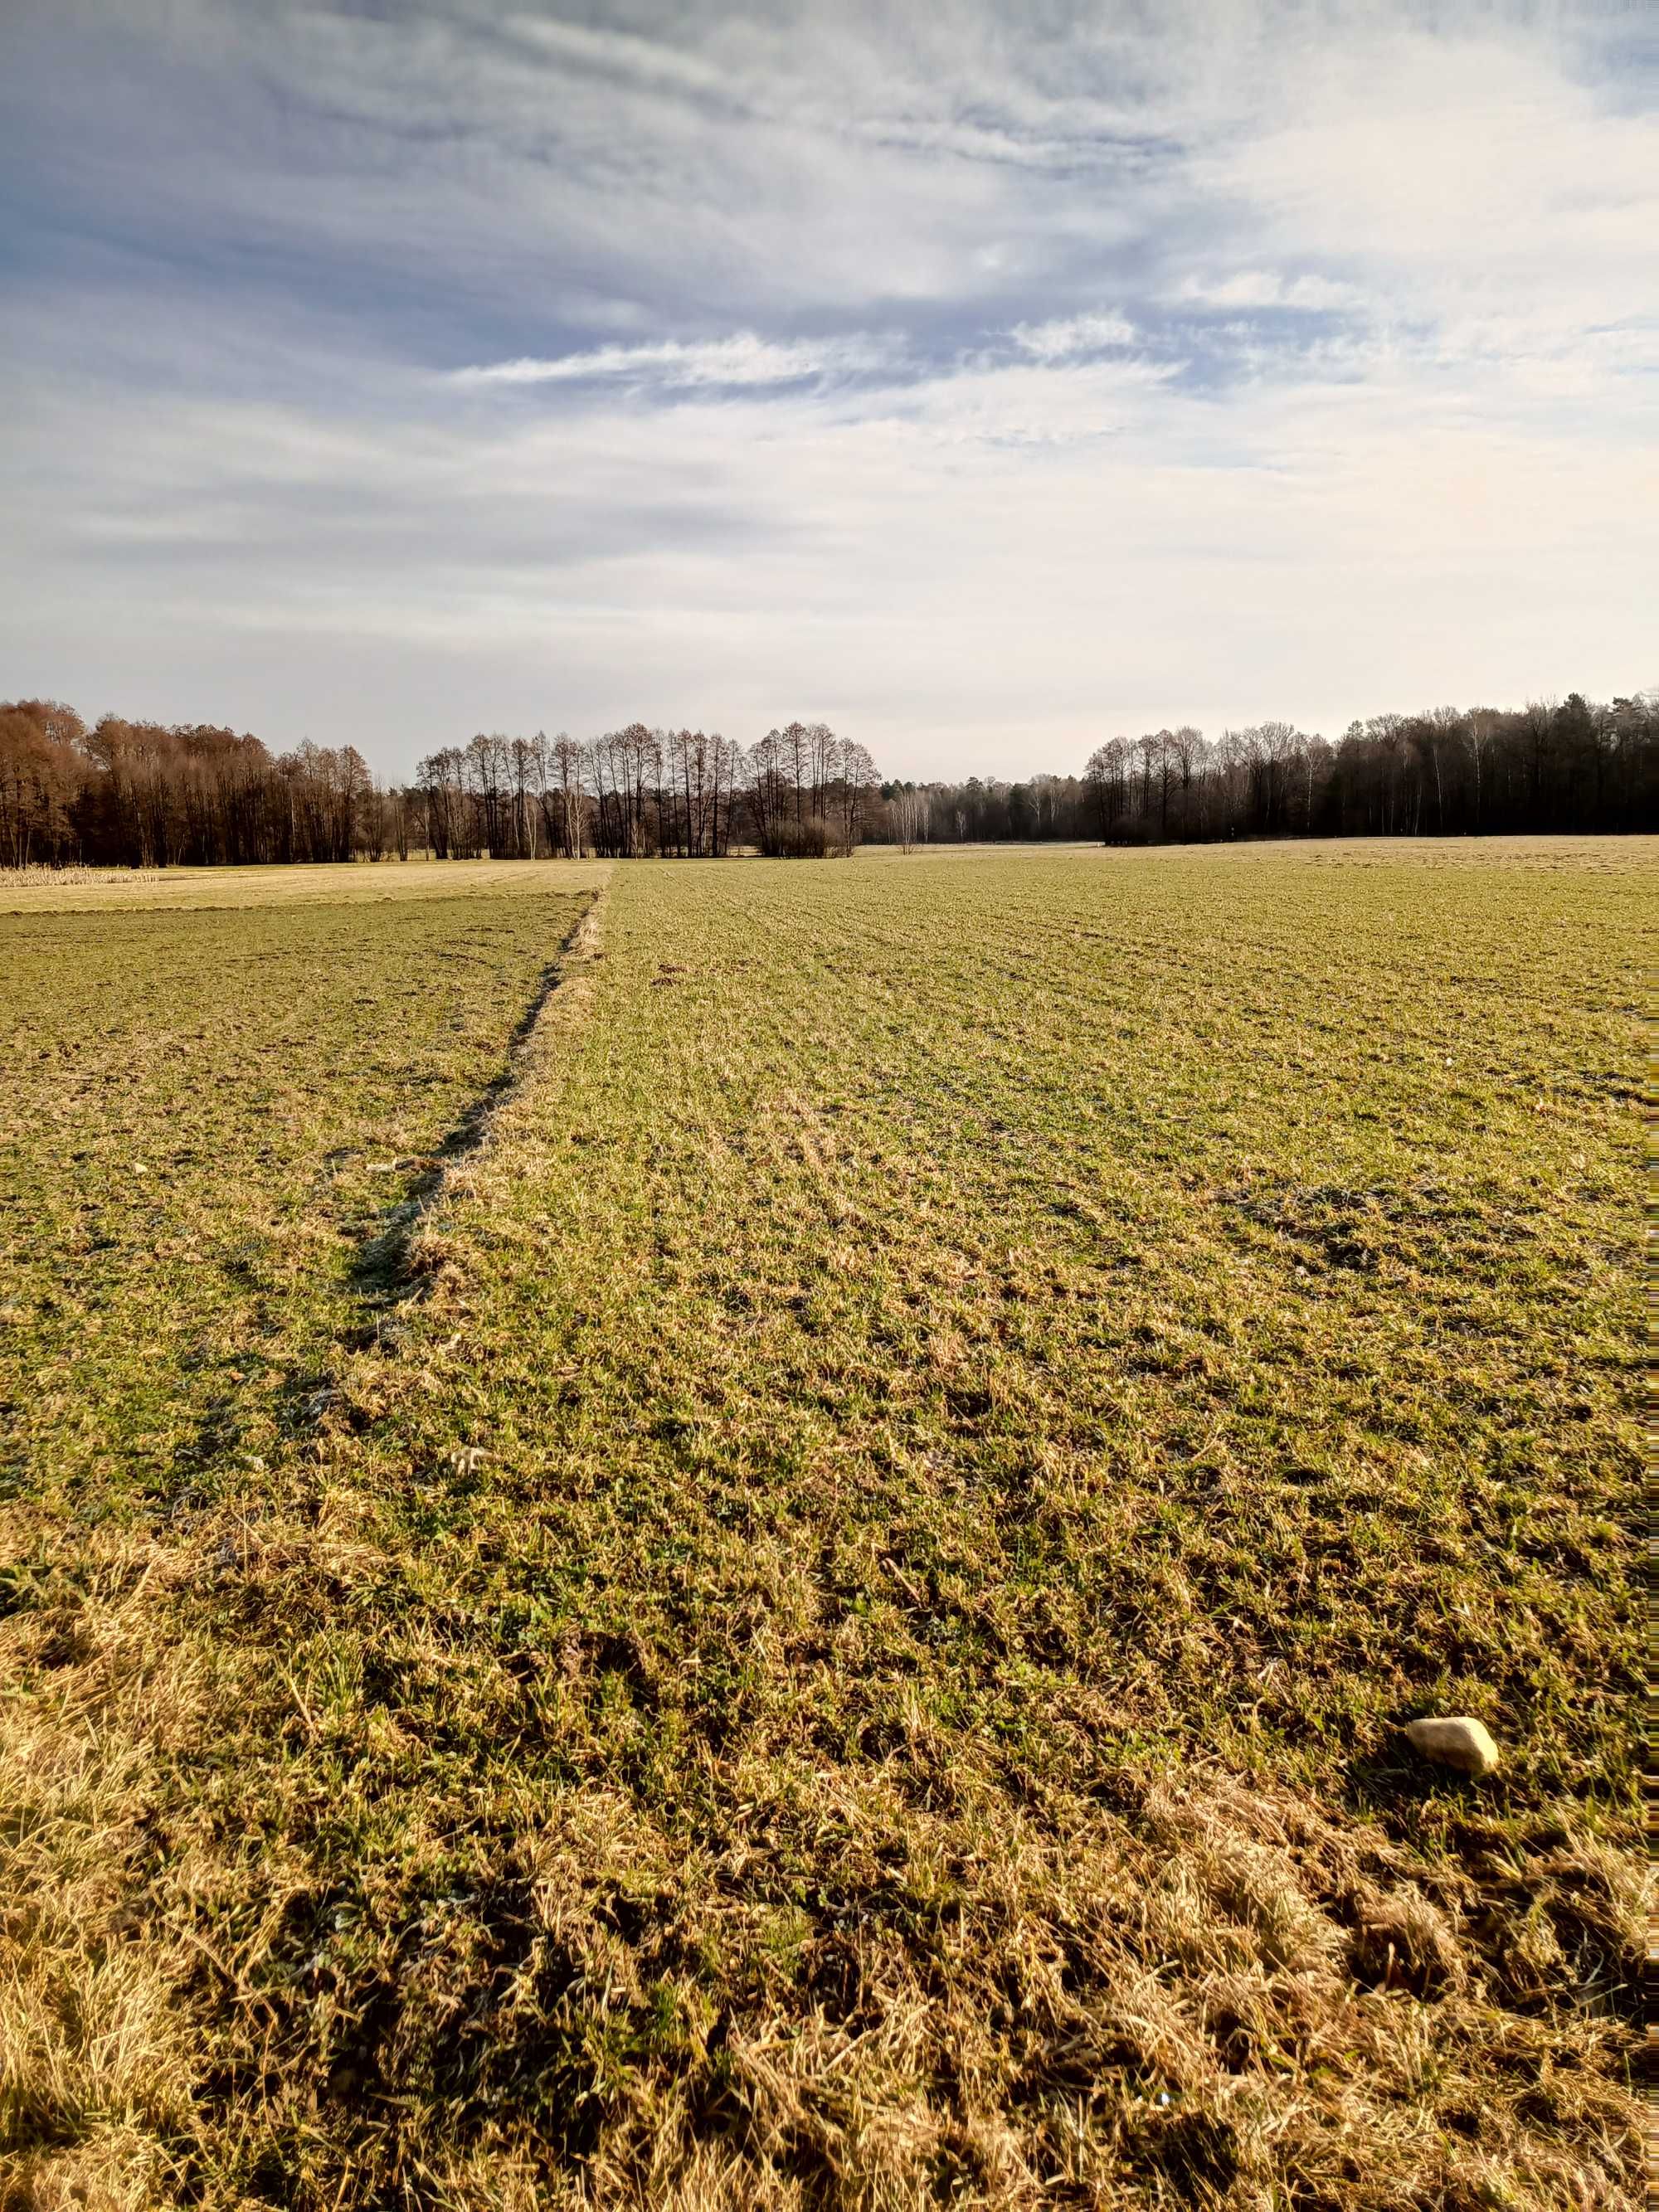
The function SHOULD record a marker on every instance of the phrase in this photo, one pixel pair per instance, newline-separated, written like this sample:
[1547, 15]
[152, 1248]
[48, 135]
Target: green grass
[829, 1624]
[210, 1111]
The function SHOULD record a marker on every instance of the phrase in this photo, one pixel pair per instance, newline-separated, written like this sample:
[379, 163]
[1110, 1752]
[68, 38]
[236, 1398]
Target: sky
[985, 378]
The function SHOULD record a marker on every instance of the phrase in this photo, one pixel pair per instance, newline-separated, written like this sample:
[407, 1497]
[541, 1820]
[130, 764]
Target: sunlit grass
[54, 891]
[835, 1623]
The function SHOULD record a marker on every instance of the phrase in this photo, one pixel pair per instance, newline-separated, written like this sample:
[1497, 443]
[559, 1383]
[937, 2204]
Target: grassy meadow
[738, 1534]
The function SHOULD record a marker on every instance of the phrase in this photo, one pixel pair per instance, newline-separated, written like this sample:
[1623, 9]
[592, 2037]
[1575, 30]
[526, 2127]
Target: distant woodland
[145, 794]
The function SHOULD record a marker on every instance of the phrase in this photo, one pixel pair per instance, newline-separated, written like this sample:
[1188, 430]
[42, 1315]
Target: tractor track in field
[383, 1271]
[384, 1274]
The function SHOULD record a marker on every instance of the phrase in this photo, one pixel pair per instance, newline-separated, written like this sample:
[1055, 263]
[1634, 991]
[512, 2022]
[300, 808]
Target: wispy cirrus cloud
[1069, 337]
[1268, 287]
[737, 362]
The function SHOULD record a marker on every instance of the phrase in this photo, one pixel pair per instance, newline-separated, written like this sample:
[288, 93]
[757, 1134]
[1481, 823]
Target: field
[754, 1533]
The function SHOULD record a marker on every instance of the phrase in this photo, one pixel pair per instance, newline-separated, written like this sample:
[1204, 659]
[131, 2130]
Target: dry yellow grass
[85, 890]
[836, 1629]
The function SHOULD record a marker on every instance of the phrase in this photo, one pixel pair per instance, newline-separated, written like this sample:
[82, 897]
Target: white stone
[1456, 1741]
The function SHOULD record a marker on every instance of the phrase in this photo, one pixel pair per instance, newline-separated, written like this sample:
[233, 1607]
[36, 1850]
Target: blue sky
[985, 379]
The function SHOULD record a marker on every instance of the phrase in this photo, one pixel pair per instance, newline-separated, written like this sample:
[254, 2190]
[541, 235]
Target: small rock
[1455, 1741]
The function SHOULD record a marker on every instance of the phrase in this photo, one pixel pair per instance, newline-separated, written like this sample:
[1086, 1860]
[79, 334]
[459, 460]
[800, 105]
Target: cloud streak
[737, 362]
[1071, 337]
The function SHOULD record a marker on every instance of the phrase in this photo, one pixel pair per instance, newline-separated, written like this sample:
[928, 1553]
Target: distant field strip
[52, 890]
[841, 1638]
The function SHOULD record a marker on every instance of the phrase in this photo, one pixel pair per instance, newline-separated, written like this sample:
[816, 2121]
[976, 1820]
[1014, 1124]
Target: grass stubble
[816, 1610]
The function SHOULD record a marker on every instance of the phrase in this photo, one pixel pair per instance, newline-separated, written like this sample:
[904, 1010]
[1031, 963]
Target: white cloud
[983, 568]
[1266, 287]
[1457, 177]
[736, 362]
[1066, 337]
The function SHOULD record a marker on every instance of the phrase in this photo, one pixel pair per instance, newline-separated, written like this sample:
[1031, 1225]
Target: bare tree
[795, 740]
[856, 779]
[1107, 776]
[910, 811]
[766, 786]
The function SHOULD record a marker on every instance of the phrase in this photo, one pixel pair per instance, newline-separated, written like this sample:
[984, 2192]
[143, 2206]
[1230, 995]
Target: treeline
[142, 794]
[145, 794]
[798, 791]
[1571, 766]
[1545, 767]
